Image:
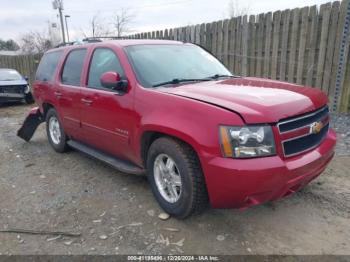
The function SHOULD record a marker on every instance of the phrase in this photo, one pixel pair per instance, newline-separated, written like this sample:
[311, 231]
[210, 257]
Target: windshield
[155, 64]
[9, 75]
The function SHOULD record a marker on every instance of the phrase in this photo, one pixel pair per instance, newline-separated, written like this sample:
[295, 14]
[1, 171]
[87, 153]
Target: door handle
[86, 101]
[58, 94]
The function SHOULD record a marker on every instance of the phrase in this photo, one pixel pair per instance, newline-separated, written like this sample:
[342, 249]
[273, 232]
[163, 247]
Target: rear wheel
[55, 133]
[176, 177]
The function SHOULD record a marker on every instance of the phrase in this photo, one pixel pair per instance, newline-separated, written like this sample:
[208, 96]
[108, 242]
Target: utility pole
[65, 18]
[58, 4]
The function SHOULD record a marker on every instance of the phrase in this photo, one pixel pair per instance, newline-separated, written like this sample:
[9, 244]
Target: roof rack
[65, 44]
[99, 38]
[94, 39]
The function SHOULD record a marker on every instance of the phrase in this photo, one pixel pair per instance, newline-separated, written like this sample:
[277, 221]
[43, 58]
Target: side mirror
[26, 78]
[112, 80]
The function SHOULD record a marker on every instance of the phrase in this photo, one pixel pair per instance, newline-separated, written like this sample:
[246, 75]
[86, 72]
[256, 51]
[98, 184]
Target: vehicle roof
[121, 43]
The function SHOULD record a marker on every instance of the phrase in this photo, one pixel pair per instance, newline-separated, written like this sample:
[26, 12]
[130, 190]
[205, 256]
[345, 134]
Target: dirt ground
[117, 214]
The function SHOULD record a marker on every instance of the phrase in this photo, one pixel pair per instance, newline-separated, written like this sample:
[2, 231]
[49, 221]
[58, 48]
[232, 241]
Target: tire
[192, 196]
[28, 98]
[58, 142]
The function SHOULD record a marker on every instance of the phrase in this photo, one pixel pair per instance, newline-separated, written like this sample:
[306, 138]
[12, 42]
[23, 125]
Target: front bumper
[241, 183]
[8, 97]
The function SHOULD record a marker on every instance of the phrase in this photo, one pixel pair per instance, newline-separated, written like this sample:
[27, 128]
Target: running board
[121, 165]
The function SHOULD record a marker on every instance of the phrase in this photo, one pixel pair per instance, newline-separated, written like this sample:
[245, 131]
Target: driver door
[106, 114]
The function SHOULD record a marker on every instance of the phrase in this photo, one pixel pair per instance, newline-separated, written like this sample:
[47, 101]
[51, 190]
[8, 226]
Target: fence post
[244, 51]
[342, 86]
[275, 46]
[345, 98]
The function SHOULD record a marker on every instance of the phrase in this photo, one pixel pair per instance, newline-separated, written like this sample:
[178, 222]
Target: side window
[73, 66]
[47, 66]
[103, 60]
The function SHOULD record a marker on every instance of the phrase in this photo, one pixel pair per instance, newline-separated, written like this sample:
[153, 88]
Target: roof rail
[91, 40]
[94, 39]
[99, 38]
[64, 44]
[85, 40]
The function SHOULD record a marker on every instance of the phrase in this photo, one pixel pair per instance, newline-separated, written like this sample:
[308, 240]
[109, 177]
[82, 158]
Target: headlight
[247, 141]
[27, 89]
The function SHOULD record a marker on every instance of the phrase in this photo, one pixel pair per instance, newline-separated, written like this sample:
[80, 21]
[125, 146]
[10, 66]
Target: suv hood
[256, 100]
[13, 82]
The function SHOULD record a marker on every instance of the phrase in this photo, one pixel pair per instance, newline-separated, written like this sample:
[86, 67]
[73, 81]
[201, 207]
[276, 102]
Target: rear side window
[73, 67]
[47, 66]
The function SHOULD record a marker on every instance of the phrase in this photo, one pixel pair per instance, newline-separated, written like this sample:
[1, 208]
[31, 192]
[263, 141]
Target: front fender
[194, 122]
[173, 132]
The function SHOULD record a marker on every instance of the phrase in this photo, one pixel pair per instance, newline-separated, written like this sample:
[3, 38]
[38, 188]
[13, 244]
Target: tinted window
[73, 66]
[103, 60]
[47, 66]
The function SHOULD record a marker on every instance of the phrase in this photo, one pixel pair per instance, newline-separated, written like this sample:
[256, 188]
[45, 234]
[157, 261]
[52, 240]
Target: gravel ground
[117, 214]
[341, 124]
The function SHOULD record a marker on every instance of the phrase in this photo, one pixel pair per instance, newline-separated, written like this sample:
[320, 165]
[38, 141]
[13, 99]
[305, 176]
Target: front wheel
[55, 133]
[176, 177]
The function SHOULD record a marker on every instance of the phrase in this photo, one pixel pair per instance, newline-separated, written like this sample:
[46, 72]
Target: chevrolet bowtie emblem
[316, 127]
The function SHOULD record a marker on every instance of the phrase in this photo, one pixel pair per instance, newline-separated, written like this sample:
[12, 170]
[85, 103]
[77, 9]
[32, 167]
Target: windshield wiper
[178, 81]
[182, 80]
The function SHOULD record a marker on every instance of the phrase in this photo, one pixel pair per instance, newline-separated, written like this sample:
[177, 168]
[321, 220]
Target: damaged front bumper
[30, 124]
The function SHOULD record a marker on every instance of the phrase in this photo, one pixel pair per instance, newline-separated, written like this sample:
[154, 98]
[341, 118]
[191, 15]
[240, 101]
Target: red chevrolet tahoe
[173, 111]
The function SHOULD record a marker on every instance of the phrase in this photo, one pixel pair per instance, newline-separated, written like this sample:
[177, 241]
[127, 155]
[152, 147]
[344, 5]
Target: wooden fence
[24, 64]
[303, 45]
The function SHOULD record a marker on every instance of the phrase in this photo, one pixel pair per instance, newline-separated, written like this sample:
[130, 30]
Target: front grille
[297, 134]
[19, 89]
[302, 144]
[302, 121]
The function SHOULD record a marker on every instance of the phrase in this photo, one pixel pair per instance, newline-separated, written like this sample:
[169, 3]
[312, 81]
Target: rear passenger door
[68, 92]
[106, 114]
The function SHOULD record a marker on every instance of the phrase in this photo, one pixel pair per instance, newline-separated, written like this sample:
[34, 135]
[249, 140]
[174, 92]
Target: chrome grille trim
[298, 118]
[306, 136]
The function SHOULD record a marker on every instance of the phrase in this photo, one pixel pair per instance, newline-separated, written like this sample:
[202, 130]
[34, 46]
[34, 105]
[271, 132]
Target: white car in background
[14, 87]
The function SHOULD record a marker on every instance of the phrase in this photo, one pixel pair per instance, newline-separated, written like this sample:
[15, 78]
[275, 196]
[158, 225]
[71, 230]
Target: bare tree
[97, 27]
[9, 45]
[235, 9]
[122, 21]
[35, 42]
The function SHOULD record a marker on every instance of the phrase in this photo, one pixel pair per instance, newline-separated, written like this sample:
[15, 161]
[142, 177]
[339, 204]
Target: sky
[21, 16]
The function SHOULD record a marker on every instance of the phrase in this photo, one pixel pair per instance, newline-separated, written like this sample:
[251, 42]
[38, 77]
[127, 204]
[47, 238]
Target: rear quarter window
[47, 66]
